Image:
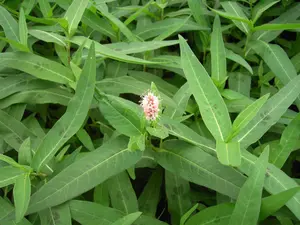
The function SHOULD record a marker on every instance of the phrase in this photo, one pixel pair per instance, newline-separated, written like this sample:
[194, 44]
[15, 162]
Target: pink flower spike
[150, 105]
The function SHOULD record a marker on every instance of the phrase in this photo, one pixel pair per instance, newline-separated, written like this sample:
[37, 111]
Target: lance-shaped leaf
[51, 95]
[208, 98]
[178, 195]
[235, 9]
[23, 31]
[125, 116]
[37, 66]
[272, 203]
[122, 194]
[218, 214]
[247, 206]
[277, 60]
[290, 16]
[7, 214]
[247, 115]
[10, 126]
[276, 181]
[9, 25]
[218, 54]
[269, 113]
[49, 37]
[129, 219]
[288, 141]
[86, 212]
[195, 165]
[229, 153]
[22, 191]
[74, 13]
[238, 59]
[59, 215]
[9, 174]
[85, 174]
[72, 120]
[150, 196]
[260, 7]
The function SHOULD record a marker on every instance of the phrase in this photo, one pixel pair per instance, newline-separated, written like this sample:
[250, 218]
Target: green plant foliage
[149, 112]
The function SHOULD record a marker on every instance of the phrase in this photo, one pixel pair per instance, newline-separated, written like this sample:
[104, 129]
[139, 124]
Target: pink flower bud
[150, 105]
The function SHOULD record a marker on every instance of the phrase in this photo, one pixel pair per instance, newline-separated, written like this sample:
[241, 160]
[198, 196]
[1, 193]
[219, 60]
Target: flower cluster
[150, 105]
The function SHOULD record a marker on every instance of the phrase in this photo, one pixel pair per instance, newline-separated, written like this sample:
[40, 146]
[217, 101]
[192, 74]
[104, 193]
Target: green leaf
[149, 198]
[272, 203]
[23, 31]
[168, 32]
[181, 98]
[178, 195]
[289, 16]
[199, 11]
[118, 23]
[9, 25]
[235, 9]
[10, 161]
[116, 69]
[247, 206]
[45, 8]
[85, 139]
[260, 7]
[147, 220]
[155, 29]
[51, 95]
[9, 174]
[22, 191]
[240, 82]
[59, 215]
[49, 37]
[12, 84]
[269, 113]
[10, 126]
[7, 214]
[104, 51]
[37, 66]
[137, 47]
[122, 194]
[84, 174]
[218, 54]
[232, 16]
[247, 115]
[28, 5]
[74, 117]
[238, 59]
[128, 84]
[277, 180]
[74, 14]
[229, 153]
[125, 116]
[147, 78]
[288, 26]
[184, 218]
[218, 214]
[208, 98]
[128, 220]
[277, 60]
[288, 141]
[86, 212]
[158, 131]
[199, 167]
[25, 155]
[101, 194]
[99, 24]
